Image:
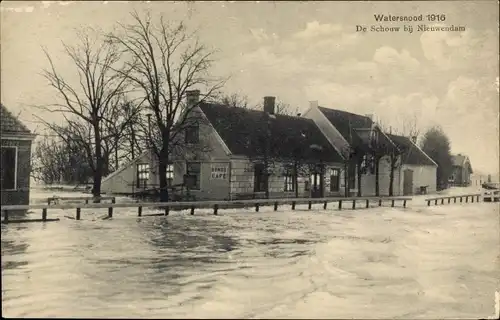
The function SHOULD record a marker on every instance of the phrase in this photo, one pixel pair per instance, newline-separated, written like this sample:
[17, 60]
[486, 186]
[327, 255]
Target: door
[317, 183]
[407, 182]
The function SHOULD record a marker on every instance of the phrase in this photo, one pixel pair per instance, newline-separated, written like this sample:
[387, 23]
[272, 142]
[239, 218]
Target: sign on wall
[219, 171]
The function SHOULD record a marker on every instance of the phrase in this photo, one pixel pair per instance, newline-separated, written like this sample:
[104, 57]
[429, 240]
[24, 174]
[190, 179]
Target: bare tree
[91, 104]
[166, 62]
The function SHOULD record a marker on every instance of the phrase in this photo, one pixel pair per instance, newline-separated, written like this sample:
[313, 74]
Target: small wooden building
[15, 162]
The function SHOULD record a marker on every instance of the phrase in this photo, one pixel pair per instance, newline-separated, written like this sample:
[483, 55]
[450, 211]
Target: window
[170, 174]
[192, 134]
[334, 180]
[9, 168]
[219, 171]
[193, 170]
[142, 175]
[260, 178]
[289, 182]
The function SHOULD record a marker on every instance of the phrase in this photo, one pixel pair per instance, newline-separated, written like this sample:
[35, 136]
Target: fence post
[340, 204]
[442, 201]
[257, 207]
[216, 207]
[379, 202]
[44, 214]
[472, 199]
[466, 199]
[309, 205]
[110, 212]
[78, 213]
[167, 210]
[6, 216]
[325, 204]
[392, 203]
[404, 203]
[449, 199]
[436, 202]
[428, 202]
[353, 203]
[139, 212]
[275, 206]
[461, 199]
[192, 210]
[454, 199]
[293, 205]
[367, 203]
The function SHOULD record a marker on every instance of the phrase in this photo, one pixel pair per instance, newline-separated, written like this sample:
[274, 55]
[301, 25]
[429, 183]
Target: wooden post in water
[466, 199]
[256, 207]
[216, 207]
[325, 204]
[454, 199]
[472, 199]
[110, 212]
[428, 202]
[6, 216]
[392, 203]
[340, 204]
[275, 206]
[78, 210]
[192, 210]
[353, 204]
[461, 199]
[309, 205]
[167, 210]
[367, 203]
[449, 199]
[436, 202]
[404, 203]
[379, 202]
[442, 201]
[293, 205]
[139, 211]
[44, 214]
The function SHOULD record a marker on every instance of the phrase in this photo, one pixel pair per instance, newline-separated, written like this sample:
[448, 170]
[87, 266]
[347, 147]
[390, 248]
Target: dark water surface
[432, 262]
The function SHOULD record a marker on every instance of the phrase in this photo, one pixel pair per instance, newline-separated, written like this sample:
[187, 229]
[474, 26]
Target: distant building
[462, 171]
[15, 159]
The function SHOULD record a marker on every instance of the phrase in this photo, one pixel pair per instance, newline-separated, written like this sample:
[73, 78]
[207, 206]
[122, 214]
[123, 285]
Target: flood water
[436, 262]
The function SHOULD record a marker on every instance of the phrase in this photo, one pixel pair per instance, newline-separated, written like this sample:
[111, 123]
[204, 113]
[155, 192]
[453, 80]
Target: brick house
[357, 138]
[15, 164]
[250, 153]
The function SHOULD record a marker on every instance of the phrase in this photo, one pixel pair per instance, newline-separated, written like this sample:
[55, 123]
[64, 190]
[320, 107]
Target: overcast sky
[300, 52]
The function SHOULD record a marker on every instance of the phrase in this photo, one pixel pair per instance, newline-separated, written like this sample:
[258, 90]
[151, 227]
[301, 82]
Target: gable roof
[413, 154]
[244, 132]
[347, 123]
[10, 124]
[460, 160]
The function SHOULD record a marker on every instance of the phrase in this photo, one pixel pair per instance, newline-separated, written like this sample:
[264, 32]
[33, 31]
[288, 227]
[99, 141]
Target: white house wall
[422, 176]
[125, 180]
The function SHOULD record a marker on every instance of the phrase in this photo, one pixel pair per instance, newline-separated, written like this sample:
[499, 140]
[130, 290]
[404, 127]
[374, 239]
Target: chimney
[313, 104]
[414, 139]
[192, 98]
[269, 104]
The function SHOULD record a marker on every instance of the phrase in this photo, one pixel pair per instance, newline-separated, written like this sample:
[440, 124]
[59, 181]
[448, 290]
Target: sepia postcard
[250, 159]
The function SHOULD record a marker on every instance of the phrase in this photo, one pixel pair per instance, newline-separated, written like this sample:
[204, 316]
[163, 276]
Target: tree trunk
[346, 179]
[162, 172]
[377, 182]
[391, 175]
[296, 179]
[358, 171]
[96, 190]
